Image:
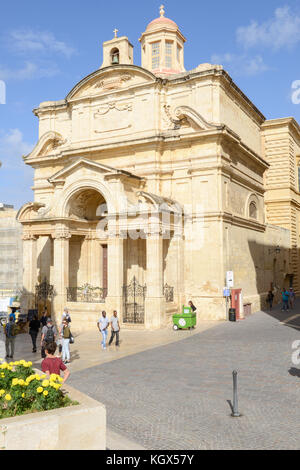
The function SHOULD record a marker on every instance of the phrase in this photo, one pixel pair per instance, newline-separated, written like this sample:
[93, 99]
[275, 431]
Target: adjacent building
[11, 272]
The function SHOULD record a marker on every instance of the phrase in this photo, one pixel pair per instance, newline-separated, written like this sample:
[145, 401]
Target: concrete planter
[81, 427]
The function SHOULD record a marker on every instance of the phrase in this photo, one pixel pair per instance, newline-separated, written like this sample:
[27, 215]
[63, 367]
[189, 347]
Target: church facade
[150, 186]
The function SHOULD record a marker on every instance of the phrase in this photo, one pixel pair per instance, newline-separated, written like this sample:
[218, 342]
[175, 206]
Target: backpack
[49, 337]
[68, 318]
[10, 330]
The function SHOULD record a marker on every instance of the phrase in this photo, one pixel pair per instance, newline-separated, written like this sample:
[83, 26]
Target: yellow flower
[44, 376]
[53, 377]
[45, 383]
[23, 395]
[7, 397]
[14, 382]
[2, 392]
[21, 382]
[29, 363]
[45, 393]
[22, 361]
[39, 389]
[17, 363]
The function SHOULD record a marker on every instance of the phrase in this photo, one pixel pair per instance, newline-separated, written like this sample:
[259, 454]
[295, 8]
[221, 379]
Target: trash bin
[232, 314]
[185, 320]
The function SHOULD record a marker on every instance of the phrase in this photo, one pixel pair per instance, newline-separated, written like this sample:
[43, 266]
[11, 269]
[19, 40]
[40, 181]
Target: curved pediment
[47, 145]
[195, 118]
[110, 79]
[29, 211]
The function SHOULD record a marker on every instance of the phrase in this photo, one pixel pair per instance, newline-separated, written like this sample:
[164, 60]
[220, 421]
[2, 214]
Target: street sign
[226, 292]
[229, 279]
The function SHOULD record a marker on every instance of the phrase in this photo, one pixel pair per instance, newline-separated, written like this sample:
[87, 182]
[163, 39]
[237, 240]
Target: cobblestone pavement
[176, 396]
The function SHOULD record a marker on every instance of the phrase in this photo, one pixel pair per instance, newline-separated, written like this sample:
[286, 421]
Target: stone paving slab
[176, 396]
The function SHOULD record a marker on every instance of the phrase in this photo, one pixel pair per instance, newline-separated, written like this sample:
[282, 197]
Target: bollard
[235, 412]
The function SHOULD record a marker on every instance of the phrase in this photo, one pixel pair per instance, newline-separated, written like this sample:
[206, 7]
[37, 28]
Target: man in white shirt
[102, 327]
[115, 328]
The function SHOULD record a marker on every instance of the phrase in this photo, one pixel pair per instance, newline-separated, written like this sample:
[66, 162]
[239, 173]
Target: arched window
[253, 214]
[115, 56]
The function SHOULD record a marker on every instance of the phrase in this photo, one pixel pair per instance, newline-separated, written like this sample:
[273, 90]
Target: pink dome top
[162, 21]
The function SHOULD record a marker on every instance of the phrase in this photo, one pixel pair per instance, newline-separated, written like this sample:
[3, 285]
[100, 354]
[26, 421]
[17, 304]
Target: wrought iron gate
[134, 302]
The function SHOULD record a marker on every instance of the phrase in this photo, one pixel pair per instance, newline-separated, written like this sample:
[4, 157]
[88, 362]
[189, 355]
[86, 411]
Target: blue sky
[47, 47]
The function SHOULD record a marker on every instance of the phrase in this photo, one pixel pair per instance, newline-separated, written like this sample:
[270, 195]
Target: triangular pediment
[110, 79]
[83, 163]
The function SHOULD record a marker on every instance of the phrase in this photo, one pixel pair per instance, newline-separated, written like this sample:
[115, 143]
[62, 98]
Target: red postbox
[236, 302]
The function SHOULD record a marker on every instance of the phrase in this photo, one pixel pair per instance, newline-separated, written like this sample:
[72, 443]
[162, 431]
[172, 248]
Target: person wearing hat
[49, 335]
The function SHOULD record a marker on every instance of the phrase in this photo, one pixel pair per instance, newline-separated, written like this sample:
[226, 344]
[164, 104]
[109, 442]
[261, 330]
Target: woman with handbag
[66, 336]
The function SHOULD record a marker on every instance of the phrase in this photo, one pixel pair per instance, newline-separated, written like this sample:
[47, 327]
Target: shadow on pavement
[290, 318]
[294, 372]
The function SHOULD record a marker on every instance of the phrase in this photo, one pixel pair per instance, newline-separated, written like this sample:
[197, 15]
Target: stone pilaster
[155, 301]
[61, 270]
[29, 271]
[114, 300]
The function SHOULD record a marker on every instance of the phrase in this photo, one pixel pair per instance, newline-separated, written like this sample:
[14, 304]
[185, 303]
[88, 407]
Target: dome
[162, 21]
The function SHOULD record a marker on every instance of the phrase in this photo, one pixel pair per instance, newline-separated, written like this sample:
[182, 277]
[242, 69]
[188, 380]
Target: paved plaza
[176, 396]
[171, 390]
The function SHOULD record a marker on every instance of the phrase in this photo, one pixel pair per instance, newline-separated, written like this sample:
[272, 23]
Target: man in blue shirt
[285, 300]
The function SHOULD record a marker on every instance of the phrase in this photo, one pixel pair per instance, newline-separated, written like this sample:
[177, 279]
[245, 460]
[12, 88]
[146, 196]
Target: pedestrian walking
[66, 315]
[34, 326]
[44, 318]
[285, 300]
[193, 307]
[10, 336]
[52, 364]
[65, 334]
[115, 328]
[292, 297]
[270, 299]
[12, 315]
[49, 334]
[102, 327]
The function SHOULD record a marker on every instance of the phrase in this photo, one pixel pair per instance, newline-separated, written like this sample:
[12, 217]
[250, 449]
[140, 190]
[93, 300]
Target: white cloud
[29, 71]
[241, 64]
[42, 42]
[12, 148]
[282, 30]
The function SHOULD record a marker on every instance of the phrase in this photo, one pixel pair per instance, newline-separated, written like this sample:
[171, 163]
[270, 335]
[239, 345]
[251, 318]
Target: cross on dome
[115, 31]
[162, 10]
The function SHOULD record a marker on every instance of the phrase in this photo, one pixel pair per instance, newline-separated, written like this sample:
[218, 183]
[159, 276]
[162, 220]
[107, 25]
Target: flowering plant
[24, 391]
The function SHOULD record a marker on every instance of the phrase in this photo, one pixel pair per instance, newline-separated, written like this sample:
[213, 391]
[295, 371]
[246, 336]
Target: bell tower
[162, 46]
[117, 51]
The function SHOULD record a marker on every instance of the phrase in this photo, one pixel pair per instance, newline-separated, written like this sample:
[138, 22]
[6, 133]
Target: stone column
[61, 270]
[29, 271]
[155, 301]
[115, 277]
[94, 261]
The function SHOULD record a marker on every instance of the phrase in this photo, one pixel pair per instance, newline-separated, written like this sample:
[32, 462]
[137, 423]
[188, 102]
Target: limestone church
[151, 184]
